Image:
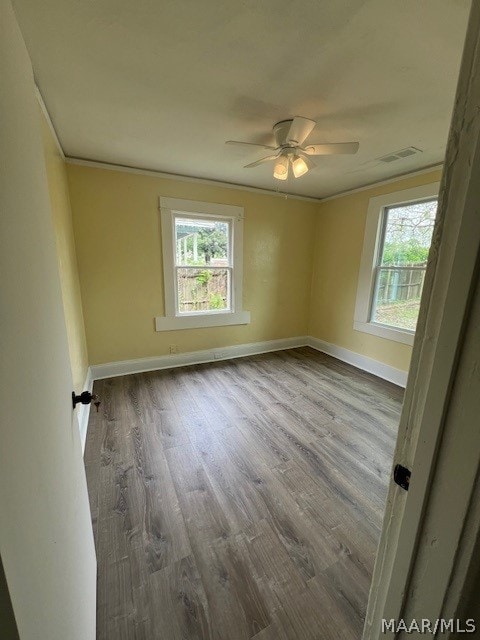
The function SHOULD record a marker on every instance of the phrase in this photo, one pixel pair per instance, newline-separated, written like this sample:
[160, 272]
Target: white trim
[168, 260]
[374, 185]
[197, 321]
[126, 367]
[83, 410]
[44, 109]
[366, 274]
[234, 216]
[377, 368]
[383, 331]
[84, 162]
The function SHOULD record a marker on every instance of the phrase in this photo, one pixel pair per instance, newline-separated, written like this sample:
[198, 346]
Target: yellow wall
[118, 240]
[338, 250]
[66, 254]
[301, 263]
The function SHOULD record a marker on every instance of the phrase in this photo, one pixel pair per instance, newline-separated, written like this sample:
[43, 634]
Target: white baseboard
[126, 367]
[385, 371]
[83, 410]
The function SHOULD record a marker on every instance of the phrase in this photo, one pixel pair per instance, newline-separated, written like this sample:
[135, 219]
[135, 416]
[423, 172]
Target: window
[405, 239]
[397, 240]
[202, 262]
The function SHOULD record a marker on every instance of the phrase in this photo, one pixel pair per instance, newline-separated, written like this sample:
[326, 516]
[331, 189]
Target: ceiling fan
[290, 135]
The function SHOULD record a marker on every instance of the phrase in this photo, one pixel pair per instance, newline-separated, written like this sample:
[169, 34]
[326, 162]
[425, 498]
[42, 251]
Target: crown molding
[44, 109]
[85, 162]
[372, 185]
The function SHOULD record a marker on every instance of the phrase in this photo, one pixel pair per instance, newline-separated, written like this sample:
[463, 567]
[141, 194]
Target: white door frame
[428, 533]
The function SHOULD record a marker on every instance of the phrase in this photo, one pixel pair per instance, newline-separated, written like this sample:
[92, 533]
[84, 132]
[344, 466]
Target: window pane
[402, 261]
[201, 242]
[408, 234]
[203, 290]
[398, 293]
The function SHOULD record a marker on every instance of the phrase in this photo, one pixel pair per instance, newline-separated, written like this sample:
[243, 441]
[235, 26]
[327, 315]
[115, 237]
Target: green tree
[213, 242]
[216, 301]
[204, 277]
[410, 251]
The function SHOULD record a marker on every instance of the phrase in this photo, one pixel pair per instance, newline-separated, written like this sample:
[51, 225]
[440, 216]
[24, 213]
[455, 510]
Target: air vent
[399, 155]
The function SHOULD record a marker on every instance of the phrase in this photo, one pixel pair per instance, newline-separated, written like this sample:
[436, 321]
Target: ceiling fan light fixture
[299, 166]
[290, 136]
[280, 170]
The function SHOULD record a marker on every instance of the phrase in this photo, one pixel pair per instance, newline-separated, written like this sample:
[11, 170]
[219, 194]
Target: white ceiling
[161, 84]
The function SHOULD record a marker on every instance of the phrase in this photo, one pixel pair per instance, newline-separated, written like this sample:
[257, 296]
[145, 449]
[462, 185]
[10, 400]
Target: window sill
[174, 323]
[397, 335]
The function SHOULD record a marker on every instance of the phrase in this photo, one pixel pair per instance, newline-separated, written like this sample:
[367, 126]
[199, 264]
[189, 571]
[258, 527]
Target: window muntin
[404, 243]
[203, 264]
[224, 307]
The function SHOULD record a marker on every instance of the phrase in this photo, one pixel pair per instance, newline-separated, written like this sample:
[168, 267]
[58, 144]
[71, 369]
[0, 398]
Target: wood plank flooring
[239, 499]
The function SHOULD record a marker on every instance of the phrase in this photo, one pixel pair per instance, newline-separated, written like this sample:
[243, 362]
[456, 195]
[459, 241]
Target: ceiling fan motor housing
[290, 135]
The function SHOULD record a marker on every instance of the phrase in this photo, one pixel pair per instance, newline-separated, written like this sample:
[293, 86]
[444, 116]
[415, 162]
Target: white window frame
[371, 246]
[171, 208]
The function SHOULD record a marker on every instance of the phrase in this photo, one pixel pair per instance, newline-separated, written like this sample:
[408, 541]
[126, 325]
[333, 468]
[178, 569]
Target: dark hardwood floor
[239, 499]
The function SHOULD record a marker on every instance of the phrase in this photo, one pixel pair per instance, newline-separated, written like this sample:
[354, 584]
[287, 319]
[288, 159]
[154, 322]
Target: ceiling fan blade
[261, 161]
[250, 144]
[333, 148]
[300, 129]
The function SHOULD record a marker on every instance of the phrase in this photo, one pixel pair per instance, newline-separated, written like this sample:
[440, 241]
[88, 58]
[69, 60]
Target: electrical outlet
[173, 349]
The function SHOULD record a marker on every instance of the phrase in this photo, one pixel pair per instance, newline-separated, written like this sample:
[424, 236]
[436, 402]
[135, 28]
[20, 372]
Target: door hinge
[402, 476]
